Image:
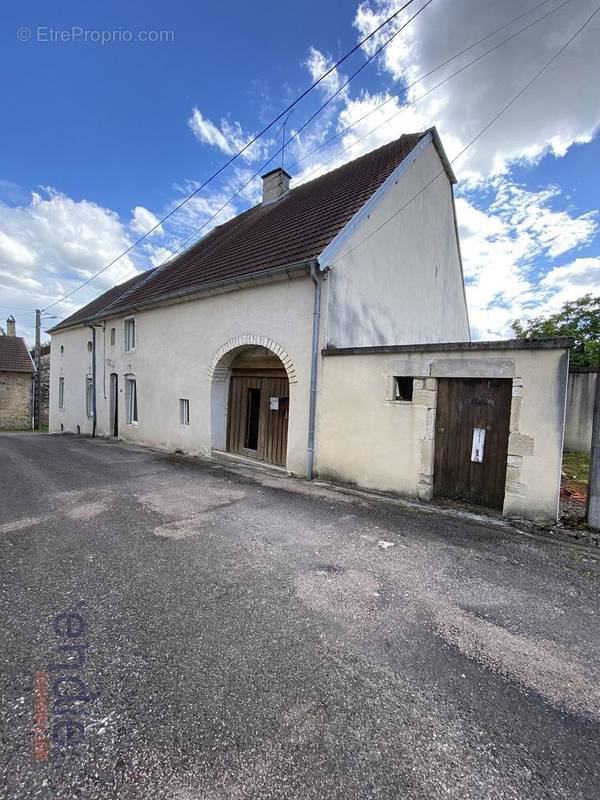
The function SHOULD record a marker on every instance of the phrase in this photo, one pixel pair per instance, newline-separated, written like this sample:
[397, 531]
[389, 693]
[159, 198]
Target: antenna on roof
[283, 136]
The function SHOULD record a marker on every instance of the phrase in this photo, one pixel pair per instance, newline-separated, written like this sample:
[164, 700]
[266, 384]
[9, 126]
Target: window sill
[399, 402]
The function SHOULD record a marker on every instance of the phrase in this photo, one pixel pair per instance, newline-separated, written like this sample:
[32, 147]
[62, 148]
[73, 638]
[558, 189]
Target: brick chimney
[11, 327]
[275, 184]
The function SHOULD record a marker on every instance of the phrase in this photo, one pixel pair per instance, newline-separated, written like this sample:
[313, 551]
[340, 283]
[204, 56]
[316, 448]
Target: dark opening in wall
[252, 419]
[403, 388]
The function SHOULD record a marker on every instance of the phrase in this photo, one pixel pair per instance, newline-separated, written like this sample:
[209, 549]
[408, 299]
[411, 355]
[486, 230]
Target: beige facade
[182, 352]
[15, 400]
[380, 443]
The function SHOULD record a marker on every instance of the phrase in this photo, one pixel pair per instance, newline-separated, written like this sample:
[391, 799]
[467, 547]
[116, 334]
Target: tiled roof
[292, 230]
[14, 355]
[100, 303]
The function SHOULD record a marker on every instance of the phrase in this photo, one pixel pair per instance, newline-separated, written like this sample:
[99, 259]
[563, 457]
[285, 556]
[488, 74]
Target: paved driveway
[235, 635]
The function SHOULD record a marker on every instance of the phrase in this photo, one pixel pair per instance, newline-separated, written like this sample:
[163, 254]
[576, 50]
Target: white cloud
[502, 247]
[318, 64]
[562, 108]
[511, 241]
[53, 243]
[143, 220]
[571, 281]
[229, 137]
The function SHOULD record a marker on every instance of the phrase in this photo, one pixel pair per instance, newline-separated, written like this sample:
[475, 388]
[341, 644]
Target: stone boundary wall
[15, 400]
[581, 391]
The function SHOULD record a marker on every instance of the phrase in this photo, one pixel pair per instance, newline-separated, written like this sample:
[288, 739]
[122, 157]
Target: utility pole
[593, 493]
[37, 410]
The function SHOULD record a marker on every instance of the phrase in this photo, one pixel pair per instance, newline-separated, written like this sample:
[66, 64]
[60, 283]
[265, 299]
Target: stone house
[16, 380]
[324, 331]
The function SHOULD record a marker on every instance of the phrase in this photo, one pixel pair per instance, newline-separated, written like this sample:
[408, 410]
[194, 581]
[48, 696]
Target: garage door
[471, 440]
[258, 417]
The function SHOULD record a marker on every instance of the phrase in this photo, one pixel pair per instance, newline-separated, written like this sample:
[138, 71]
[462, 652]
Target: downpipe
[93, 330]
[313, 372]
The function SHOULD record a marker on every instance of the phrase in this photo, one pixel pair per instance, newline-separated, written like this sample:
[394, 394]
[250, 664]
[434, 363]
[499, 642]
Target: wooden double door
[257, 418]
[471, 439]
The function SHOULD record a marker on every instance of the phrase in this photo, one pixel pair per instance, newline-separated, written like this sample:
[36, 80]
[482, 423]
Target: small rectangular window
[89, 396]
[184, 412]
[403, 388]
[129, 334]
[61, 392]
[113, 336]
[131, 401]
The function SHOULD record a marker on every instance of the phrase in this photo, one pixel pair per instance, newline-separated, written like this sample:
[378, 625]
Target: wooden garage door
[256, 429]
[471, 440]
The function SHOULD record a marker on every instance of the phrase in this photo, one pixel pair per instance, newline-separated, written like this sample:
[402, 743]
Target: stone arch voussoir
[221, 361]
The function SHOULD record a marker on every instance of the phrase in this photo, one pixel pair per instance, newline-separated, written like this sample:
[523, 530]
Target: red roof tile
[293, 230]
[100, 303]
[14, 355]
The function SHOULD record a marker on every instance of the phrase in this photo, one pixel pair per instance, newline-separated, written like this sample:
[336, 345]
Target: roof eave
[201, 290]
[437, 143]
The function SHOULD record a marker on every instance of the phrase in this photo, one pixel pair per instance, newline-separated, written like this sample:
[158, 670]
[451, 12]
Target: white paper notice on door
[478, 445]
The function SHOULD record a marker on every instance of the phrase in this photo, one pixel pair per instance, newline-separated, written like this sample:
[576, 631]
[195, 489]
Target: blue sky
[102, 140]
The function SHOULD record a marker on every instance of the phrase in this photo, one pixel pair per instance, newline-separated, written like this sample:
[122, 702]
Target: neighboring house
[232, 346]
[16, 380]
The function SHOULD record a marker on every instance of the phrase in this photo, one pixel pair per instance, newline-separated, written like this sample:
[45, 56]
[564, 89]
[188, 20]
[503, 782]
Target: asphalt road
[252, 636]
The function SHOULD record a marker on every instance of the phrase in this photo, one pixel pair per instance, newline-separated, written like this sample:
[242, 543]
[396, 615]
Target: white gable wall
[404, 285]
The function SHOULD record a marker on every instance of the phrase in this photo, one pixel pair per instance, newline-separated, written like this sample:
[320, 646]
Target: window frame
[61, 393]
[392, 392]
[132, 412]
[129, 325]
[184, 412]
[113, 337]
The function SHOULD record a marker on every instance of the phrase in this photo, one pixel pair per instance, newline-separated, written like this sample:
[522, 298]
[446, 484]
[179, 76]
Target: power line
[183, 242]
[239, 152]
[409, 86]
[494, 119]
[425, 94]
[296, 133]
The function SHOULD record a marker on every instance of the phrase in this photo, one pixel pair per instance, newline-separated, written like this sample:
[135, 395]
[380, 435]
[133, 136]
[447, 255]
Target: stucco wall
[366, 438]
[581, 392]
[175, 347]
[404, 285]
[15, 400]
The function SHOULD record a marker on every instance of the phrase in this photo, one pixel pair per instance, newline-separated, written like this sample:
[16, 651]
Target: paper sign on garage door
[478, 445]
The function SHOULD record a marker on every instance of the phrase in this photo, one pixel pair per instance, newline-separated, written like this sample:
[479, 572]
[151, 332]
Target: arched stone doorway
[250, 378]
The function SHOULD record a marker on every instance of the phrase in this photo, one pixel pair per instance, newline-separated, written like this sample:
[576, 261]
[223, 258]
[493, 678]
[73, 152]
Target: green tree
[579, 319]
